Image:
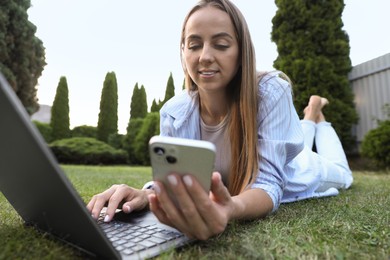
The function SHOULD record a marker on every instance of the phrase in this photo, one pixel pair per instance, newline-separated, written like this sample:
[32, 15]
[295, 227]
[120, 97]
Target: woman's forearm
[251, 204]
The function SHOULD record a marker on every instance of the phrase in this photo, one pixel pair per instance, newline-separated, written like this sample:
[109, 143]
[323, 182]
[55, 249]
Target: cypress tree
[143, 105]
[170, 89]
[138, 105]
[313, 51]
[134, 103]
[155, 107]
[60, 121]
[108, 116]
[169, 92]
[138, 111]
[22, 55]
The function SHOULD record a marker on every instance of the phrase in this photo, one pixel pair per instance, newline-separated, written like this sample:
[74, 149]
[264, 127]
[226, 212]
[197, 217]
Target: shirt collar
[183, 107]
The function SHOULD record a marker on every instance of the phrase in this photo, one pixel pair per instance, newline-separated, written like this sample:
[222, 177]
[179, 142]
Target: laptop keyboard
[131, 238]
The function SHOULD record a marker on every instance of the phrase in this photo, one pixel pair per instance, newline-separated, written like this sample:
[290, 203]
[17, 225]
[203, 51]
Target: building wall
[43, 114]
[370, 82]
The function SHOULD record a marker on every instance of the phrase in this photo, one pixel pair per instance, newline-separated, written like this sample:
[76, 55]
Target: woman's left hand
[197, 214]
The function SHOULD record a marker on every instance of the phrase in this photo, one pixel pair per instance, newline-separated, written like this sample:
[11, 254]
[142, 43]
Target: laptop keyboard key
[128, 251]
[147, 244]
[157, 240]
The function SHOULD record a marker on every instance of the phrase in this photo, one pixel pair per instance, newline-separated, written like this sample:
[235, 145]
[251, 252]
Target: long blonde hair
[243, 99]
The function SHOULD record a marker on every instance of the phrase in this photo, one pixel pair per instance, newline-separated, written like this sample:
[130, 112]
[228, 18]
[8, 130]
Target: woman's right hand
[118, 196]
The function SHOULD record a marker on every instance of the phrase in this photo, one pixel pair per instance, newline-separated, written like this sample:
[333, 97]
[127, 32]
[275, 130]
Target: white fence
[370, 82]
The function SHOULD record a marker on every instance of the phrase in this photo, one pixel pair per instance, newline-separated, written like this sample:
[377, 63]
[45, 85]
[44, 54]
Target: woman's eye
[222, 46]
[193, 47]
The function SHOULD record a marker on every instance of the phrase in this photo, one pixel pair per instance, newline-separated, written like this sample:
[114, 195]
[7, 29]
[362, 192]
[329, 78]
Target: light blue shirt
[280, 139]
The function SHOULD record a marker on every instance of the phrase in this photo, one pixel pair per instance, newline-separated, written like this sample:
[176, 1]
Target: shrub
[82, 150]
[376, 145]
[128, 142]
[116, 140]
[150, 127]
[84, 131]
[45, 130]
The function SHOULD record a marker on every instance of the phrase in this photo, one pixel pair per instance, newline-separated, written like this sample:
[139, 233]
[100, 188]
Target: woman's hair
[243, 98]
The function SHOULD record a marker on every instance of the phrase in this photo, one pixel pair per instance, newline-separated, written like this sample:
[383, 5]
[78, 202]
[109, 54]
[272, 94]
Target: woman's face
[210, 51]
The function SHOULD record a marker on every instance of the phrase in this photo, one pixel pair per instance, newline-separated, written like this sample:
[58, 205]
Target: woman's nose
[206, 55]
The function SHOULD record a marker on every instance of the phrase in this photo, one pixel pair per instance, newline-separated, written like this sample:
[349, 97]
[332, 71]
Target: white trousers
[335, 169]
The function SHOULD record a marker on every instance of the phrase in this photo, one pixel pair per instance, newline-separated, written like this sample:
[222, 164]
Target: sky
[139, 41]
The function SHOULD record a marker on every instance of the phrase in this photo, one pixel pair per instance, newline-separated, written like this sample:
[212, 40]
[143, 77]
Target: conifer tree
[169, 92]
[155, 107]
[170, 89]
[138, 105]
[134, 103]
[108, 115]
[143, 102]
[22, 55]
[313, 50]
[60, 121]
[138, 111]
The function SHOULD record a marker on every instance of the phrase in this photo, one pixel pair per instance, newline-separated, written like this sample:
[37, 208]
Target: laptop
[35, 185]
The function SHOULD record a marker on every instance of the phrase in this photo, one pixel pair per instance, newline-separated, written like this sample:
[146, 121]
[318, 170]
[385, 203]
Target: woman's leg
[309, 131]
[308, 123]
[335, 171]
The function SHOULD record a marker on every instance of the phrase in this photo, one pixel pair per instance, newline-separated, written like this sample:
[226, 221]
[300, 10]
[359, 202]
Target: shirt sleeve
[280, 137]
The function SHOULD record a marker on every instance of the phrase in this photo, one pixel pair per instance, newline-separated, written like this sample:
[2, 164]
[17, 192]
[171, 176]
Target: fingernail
[156, 188]
[219, 176]
[106, 218]
[128, 209]
[187, 180]
[172, 180]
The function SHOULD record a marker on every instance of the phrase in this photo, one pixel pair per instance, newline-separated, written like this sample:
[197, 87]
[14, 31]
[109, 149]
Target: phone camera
[159, 151]
[171, 159]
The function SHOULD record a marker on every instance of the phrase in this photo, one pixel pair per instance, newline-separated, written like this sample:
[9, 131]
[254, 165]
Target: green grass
[353, 225]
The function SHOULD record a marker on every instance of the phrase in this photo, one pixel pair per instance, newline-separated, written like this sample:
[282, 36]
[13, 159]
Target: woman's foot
[324, 102]
[313, 111]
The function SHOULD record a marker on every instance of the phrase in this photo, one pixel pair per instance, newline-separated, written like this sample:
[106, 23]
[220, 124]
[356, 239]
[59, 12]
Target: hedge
[84, 150]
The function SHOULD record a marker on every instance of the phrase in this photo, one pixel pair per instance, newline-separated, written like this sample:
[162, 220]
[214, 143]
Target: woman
[261, 158]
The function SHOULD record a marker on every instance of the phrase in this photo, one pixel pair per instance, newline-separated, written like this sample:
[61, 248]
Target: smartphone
[182, 156]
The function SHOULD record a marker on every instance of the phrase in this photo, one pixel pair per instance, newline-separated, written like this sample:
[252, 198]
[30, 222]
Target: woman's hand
[118, 196]
[197, 214]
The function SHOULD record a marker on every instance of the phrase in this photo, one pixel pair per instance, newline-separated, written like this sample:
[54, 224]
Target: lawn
[353, 225]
